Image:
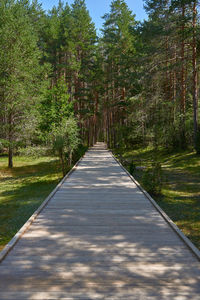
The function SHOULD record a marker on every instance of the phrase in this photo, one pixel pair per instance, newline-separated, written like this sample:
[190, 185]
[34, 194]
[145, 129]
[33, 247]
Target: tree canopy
[135, 83]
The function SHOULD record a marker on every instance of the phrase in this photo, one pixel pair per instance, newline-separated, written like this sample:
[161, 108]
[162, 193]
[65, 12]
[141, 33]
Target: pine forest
[65, 85]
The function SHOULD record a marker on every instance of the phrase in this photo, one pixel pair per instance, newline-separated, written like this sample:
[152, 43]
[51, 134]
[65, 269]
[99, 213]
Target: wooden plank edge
[25, 227]
[188, 243]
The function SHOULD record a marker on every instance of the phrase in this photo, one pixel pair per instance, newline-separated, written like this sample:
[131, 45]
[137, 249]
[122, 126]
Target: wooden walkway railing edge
[188, 243]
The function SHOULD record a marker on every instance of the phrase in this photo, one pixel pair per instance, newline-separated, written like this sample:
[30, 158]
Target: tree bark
[62, 160]
[10, 137]
[174, 87]
[10, 156]
[70, 157]
[183, 81]
[195, 79]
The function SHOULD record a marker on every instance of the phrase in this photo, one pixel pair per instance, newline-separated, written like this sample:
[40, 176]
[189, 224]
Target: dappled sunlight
[99, 238]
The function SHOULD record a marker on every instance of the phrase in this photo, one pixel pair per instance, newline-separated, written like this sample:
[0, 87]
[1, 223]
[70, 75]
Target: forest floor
[23, 189]
[180, 197]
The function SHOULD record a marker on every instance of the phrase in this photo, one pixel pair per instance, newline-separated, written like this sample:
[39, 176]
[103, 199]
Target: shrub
[65, 140]
[131, 168]
[33, 151]
[152, 179]
[197, 142]
[79, 152]
[1, 147]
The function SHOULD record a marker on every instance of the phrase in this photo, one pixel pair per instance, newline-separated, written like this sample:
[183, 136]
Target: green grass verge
[23, 189]
[180, 197]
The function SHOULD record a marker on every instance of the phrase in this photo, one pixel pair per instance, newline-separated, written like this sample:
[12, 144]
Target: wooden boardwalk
[99, 237]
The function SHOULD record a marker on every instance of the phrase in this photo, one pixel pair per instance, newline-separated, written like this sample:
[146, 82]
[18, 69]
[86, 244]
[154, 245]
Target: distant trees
[151, 75]
[170, 73]
[135, 84]
[70, 48]
[118, 51]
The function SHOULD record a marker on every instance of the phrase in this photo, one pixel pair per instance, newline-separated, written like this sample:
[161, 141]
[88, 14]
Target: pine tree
[70, 39]
[195, 76]
[20, 71]
[55, 107]
[58, 124]
[84, 38]
[118, 39]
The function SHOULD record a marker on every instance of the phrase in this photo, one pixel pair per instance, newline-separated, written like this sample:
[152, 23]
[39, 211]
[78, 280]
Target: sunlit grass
[23, 189]
[180, 197]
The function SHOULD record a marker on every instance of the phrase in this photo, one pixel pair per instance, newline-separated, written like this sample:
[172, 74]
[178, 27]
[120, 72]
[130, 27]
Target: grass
[180, 197]
[23, 189]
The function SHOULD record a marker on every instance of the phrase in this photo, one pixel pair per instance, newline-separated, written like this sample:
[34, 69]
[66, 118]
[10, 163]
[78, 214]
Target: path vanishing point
[100, 237]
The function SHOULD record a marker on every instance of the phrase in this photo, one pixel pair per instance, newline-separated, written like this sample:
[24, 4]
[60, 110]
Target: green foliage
[180, 185]
[66, 134]
[79, 152]
[33, 151]
[65, 139]
[132, 167]
[55, 107]
[197, 142]
[119, 48]
[21, 74]
[126, 87]
[132, 86]
[58, 124]
[152, 179]
[118, 42]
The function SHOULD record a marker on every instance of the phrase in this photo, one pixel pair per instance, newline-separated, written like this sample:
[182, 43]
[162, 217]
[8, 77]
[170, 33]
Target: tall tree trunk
[174, 87]
[10, 156]
[70, 157]
[167, 90]
[195, 83]
[105, 121]
[95, 117]
[62, 161]
[10, 137]
[183, 81]
[108, 129]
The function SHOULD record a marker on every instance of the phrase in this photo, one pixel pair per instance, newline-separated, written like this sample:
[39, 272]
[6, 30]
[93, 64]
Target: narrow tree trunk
[10, 136]
[183, 85]
[62, 160]
[76, 84]
[114, 128]
[111, 129]
[70, 157]
[91, 132]
[195, 83]
[108, 129]
[167, 92]
[174, 87]
[183, 82]
[95, 118]
[10, 156]
[64, 68]
[105, 122]
[88, 132]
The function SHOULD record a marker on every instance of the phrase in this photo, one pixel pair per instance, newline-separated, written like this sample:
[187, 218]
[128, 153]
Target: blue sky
[98, 8]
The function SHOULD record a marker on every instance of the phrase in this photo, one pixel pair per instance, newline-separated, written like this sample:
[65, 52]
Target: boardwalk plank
[99, 237]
